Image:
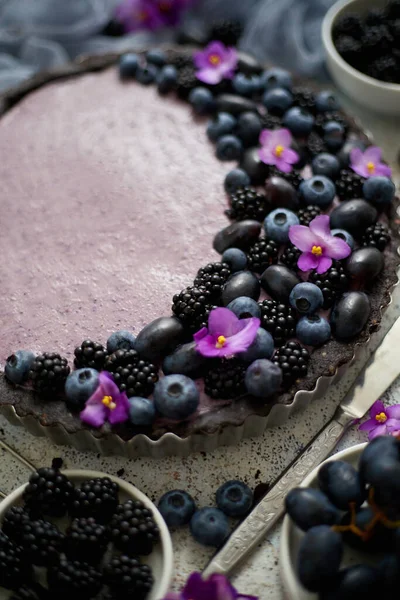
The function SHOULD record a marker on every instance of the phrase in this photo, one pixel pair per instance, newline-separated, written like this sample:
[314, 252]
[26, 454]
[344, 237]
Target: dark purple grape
[319, 558]
[308, 507]
[342, 484]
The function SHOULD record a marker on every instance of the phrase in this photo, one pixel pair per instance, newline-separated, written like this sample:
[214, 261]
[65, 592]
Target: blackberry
[213, 277]
[192, 306]
[48, 492]
[70, 578]
[226, 380]
[270, 121]
[41, 542]
[34, 591]
[14, 569]
[247, 203]
[376, 41]
[49, 373]
[315, 144]
[86, 540]
[304, 98]
[186, 82]
[290, 257]
[97, 498]
[132, 375]
[133, 529]
[180, 61]
[293, 359]
[349, 185]
[13, 523]
[374, 17]
[127, 576]
[227, 31]
[261, 255]
[90, 354]
[307, 214]
[333, 283]
[350, 50]
[385, 68]
[350, 24]
[279, 319]
[377, 236]
[331, 115]
[295, 177]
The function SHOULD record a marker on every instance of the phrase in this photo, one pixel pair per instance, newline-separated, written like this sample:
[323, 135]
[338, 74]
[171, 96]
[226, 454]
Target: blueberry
[344, 235]
[234, 498]
[326, 101]
[246, 85]
[299, 121]
[318, 190]
[262, 347]
[222, 124]
[146, 74]
[80, 385]
[326, 164]
[177, 508]
[202, 101]
[245, 307]
[276, 77]
[18, 365]
[306, 298]
[263, 378]
[156, 56]
[141, 411]
[229, 147]
[166, 79]
[308, 508]
[209, 526]
[235, 179]
[278, 223]
[235, 258]
[128, 65]
[319, 558]
[249, 128]
[277, 100]
[313, 330]
[176, 396]
[185, 361]
[379, 190]
[120, 340]
[334, 135]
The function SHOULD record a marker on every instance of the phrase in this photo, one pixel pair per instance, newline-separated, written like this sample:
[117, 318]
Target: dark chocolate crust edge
[325, 360]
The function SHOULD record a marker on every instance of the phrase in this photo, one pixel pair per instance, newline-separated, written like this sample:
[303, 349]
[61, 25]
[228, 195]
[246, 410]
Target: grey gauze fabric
[42, 34]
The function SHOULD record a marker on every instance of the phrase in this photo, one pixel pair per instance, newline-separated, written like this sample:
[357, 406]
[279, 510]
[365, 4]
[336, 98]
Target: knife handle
[262, 518]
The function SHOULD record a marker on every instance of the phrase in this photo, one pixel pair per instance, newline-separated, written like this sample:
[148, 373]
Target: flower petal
[241, 341]
[356, 156]
[207, 347]
[282, 137]
[209, 75]
[282, 165]
[377, 408]
[320, 227]
[222, 321]
[199, 335]
[290, 156]
[383, 170]
[230, 58]
[368, 425]
[324, 263]
[361, 170]
[265, 136]
[109, 388]
[120, 414]
[94, 414]
[336, 248]
[197, 588]
[223, 588]
[380, 430]
[372, 154]
[266, 156]
[393, 412]
[302, 237]
[200, 60]
[307, 261]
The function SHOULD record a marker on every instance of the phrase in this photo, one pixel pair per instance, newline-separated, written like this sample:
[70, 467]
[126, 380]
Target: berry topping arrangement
[370, 42]
[69, 540]
[353, 518]
[306, 262]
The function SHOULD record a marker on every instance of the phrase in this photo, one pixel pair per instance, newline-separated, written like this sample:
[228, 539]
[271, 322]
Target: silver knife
[381, 370]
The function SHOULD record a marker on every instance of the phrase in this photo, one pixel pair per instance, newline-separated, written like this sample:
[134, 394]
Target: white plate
[160, 560]
[292, 535]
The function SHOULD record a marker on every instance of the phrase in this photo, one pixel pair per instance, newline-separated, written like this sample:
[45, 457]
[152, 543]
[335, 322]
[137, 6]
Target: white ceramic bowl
[291, 535]
[378, 96]
[160, 560]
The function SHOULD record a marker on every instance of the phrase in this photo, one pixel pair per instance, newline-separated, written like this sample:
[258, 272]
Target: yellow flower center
[214, 59]
[141, 15]
[279, 151]
[317, 250]
[221, 341]
[371, 167]
[381, 418]
[108, 401]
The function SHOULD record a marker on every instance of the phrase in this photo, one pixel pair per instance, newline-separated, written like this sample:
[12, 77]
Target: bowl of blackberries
[82, 534]
[362, 45]
[341, 535]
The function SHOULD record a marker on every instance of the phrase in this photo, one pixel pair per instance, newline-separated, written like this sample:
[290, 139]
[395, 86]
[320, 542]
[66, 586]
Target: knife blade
[381, 370]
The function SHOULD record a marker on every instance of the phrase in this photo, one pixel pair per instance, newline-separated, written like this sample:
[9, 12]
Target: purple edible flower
[215, 63]
[368, 163]
[382, 420]
[226, 335]
[170, 11]
[216, 587]
[276, 149]
[318, 245]
[106, 404]
[138, 14]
